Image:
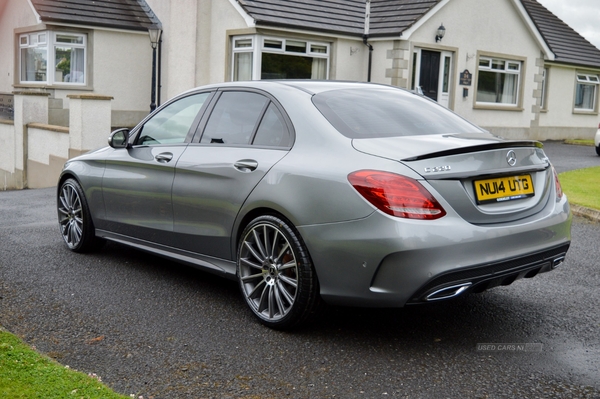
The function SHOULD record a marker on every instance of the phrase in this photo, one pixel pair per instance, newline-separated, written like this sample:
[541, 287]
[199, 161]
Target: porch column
[29, 107]
[89, 122]
[535, 132]
[398, 73]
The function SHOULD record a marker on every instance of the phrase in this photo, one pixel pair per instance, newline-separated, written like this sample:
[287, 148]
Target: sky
[581, 15]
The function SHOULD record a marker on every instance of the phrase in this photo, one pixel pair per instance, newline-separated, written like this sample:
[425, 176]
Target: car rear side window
[171, 124]
[387, 112]
[272, 131]
[234, 118]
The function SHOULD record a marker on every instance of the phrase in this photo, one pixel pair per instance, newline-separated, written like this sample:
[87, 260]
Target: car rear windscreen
[387, 112]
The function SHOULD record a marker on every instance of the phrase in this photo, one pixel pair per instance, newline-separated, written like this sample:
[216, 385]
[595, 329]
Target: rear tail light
[559, 191]
[396, 195]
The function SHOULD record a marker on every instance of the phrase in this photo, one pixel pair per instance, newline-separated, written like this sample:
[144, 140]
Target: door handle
[164, 157]
[246, 165]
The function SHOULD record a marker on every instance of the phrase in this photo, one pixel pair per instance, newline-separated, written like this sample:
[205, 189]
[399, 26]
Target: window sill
[585, 112]
[493, 107]
[52, 87]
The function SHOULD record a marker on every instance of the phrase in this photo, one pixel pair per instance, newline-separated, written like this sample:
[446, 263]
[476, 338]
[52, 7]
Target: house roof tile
[388, 17]
[119, 14]
[392, 17]
[568, 46]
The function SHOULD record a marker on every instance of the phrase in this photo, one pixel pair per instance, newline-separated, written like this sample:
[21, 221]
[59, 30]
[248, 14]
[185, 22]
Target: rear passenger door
[244, 135]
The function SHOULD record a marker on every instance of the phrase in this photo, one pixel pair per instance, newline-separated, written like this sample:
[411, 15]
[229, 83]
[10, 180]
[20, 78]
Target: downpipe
[370, 46]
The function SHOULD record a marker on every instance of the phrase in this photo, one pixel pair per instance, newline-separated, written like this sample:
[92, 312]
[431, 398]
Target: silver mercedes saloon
[320, 191]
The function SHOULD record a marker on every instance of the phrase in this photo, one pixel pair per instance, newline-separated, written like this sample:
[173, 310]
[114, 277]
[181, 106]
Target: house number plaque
[466, 78]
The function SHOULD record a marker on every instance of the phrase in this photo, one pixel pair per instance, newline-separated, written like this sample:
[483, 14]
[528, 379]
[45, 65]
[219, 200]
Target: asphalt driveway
[152, 327]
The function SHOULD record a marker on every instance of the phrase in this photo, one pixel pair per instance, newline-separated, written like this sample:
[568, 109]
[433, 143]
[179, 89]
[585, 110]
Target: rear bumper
[382, 261]
[480, 278]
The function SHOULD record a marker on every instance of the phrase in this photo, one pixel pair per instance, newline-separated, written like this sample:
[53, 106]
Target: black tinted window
[272, 131]
[234, 118]
[172, 124]
[359, 113]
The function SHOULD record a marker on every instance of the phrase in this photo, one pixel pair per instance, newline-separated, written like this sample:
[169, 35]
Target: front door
[137, 181]
[429, 75]
[432, 71]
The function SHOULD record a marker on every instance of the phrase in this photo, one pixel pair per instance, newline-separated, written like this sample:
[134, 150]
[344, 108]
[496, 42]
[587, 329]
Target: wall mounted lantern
[440, 33]
[154, 38]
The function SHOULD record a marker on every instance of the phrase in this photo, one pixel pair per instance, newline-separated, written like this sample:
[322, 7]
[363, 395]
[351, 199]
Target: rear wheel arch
[248, 218]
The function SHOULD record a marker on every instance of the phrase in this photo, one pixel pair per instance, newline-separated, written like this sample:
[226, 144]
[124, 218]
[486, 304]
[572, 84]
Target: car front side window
[172, 124]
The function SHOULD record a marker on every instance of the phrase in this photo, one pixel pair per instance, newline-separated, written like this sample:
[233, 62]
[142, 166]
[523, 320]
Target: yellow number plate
[503, 189]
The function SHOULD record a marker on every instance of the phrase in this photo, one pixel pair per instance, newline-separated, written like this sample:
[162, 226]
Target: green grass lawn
[582, 186]
[589, 142]
[25, 374]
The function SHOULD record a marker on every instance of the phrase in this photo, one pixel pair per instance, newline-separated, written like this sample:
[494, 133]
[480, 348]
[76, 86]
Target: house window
[498, 81]
[243, 50]
[258, 57]
[53, 58]
[585, 92]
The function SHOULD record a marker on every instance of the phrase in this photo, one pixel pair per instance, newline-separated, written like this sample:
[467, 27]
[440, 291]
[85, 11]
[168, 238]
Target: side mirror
[119, 138]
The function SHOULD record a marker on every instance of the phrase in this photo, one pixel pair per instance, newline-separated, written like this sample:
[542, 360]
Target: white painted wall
[7, 144]
[223, 17]
[16, 13]
[180, 27]
[47, 145]
[45, 142]
[28, 109]
[89, 122]
[194, 42]
[561, 83]
[123, 68]
[380, 61]
[349, 60]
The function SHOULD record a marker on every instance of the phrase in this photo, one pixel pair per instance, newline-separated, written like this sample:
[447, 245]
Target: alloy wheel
[268, 272]
[70, 211]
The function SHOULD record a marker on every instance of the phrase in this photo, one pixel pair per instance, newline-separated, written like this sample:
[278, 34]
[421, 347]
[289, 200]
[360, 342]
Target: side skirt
[222, 267]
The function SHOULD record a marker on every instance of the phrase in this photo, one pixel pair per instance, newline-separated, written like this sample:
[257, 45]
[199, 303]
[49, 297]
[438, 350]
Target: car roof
[309, 86]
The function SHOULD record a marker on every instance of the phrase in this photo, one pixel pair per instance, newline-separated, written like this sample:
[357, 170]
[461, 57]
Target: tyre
[598, 150]
[276, 275]
[74, 220]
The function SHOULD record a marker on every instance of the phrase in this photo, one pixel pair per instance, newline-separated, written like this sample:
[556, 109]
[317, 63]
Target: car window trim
[263, 112]
[199, 132]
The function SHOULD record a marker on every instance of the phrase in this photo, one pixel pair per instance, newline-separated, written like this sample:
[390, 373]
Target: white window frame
[50, 43]
[511, 67]
[237, 50]
[586, 79]
[258, 47]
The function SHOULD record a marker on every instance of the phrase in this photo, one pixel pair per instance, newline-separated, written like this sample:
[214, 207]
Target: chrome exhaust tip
[557, 261]
[448, 292]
